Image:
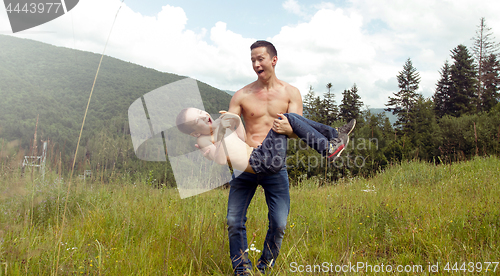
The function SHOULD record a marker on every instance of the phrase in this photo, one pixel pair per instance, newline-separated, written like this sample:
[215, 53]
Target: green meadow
[413, 217]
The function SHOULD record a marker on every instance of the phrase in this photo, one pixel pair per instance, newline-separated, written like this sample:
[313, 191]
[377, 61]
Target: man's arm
[282, 126]
[235, 107]
[235, 103]
[295, 105]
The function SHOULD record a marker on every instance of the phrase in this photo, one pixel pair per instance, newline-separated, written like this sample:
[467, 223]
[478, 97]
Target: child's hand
[228, 119]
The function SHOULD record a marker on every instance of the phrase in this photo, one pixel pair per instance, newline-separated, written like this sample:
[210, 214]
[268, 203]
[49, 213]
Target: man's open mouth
[260, 71]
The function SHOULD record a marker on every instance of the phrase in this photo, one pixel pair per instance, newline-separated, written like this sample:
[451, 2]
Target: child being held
[223, 140]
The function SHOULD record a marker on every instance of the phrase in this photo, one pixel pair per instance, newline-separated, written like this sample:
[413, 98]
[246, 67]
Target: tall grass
[411, 213]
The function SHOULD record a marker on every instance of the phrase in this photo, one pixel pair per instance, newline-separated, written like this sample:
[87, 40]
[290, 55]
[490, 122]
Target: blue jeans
[268, 161]
[270, 157]
[277, 194]
[316, 135]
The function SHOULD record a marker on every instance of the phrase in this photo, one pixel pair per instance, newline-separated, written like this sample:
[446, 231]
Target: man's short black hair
[271, 50]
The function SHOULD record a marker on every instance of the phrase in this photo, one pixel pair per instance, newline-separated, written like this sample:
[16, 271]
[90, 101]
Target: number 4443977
[34, 8]
[471, 267]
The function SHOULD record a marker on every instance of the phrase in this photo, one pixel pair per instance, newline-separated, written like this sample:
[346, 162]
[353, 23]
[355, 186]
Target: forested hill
[55, 83]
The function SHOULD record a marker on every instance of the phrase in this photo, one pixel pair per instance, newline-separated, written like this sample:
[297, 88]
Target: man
[261, 104]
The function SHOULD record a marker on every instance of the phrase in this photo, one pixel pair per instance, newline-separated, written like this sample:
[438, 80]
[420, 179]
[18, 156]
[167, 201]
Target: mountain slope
[55, 83]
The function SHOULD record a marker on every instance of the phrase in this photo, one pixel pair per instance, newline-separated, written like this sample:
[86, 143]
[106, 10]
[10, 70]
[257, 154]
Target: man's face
[262, 62]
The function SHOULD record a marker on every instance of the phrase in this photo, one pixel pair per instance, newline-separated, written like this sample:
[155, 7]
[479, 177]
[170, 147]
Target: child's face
[200, 121]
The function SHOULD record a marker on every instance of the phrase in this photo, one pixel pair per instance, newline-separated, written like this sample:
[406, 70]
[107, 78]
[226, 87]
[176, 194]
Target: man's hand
[282, 126]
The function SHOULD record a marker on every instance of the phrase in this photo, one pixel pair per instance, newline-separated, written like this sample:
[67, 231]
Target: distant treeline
[460, 120]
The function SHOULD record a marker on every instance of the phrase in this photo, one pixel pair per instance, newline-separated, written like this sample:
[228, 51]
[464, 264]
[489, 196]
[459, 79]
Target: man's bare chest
[265, 105]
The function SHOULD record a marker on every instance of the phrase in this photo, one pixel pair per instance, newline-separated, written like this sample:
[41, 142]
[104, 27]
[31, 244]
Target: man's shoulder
[243, 92]
[288, 86]
[290, 89]
[247, 88]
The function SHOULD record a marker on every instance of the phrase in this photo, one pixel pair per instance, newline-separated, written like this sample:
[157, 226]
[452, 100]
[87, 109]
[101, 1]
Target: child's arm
[206, 146]
[212, 151]
[235, 121]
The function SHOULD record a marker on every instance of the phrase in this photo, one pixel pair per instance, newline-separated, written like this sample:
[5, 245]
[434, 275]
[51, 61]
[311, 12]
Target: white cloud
[161, 42]
[332, 48]
[366, 42]
[293, 6]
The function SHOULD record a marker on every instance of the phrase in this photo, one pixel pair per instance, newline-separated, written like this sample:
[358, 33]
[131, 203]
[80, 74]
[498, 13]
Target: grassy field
[413, 216]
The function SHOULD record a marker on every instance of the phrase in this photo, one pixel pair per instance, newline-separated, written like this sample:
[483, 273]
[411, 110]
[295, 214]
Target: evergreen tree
[320, 110]
[483, 48]
[329, 109]
[312, 105]
[405, 98]
[350, 107]
[463, 99]
[490, 96]
[441, 97]
[424, 128]
[308, 100]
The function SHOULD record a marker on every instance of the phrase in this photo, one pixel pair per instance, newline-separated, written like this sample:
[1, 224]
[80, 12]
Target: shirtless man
[261, 104]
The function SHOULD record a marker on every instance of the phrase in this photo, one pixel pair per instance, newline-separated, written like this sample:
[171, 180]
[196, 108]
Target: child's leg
[316, 135]
[237, 151]
[270, 157]
[325, 130]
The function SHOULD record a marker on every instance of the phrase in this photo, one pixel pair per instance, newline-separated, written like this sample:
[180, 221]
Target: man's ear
[275, 60]
[195, 134]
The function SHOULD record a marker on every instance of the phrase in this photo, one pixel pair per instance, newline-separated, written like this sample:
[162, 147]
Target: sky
[342, 42]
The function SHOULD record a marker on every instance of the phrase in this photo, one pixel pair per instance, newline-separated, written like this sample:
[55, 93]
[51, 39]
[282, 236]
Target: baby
[223, 140]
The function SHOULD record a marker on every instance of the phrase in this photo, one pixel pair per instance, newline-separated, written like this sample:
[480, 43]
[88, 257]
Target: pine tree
[463, 99]
[405, 98]
[441, 97]
[490, 95]
[308, 99]
[423, 127]
[350, 107]
[483, 47]
[329, 109]
[312, 105]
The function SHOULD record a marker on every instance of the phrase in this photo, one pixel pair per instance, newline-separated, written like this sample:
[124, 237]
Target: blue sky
[257, 19]
[343, 42]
